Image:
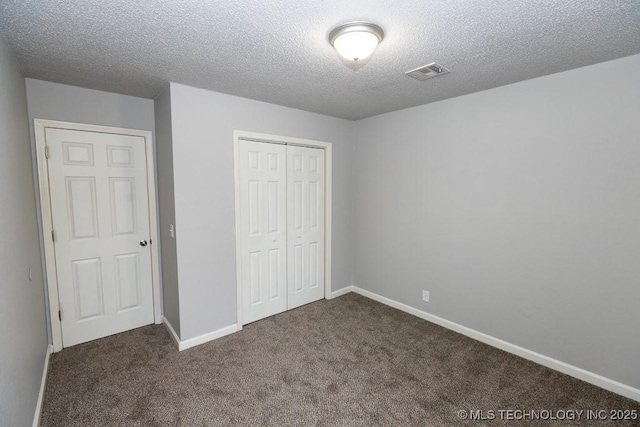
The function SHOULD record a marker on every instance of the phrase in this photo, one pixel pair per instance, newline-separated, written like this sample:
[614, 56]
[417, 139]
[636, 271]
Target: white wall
[23, 334]
[518, 208]
[166, 211]
[203, 124]
[54, 101]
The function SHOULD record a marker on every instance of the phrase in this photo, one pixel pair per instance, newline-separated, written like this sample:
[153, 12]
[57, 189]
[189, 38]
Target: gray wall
[23, 332]
[518, 208]
[54, 101]
[203, 125]
[166, 197]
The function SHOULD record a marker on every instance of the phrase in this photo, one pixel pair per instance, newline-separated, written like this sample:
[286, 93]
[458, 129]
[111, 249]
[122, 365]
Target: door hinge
[60, 315]
[53, 235]
[47, 155]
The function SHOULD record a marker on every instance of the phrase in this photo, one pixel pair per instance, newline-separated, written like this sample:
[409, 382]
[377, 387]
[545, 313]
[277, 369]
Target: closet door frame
[283, 140]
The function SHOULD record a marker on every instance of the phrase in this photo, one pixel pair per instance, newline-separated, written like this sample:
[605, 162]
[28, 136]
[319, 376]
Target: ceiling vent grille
[427, 71]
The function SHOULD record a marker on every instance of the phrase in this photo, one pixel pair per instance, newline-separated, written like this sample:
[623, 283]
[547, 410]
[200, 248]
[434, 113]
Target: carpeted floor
[345, 362]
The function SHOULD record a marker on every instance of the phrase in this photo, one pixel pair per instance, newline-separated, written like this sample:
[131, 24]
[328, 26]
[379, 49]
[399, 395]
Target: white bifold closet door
[282, 227]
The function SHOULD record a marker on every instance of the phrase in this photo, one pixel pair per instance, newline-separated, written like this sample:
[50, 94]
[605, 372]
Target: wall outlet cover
[425, 296]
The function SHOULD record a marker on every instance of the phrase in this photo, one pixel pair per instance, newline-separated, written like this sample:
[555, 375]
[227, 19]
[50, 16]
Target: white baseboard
[222, 332]
[565, 368]
[192, 342]
[43, 385]
[172, 332]
[340, 292]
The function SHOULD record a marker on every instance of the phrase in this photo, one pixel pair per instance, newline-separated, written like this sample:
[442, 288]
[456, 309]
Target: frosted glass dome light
[356, 41]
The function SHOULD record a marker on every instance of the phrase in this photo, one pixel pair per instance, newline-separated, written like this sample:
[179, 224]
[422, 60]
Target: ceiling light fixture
[356, 41]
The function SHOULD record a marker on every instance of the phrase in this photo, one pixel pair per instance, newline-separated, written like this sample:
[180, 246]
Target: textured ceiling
[277, 51]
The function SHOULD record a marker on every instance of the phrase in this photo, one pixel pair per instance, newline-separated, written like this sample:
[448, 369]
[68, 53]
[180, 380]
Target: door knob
[299, 236]
[143, 243]
[275, 240]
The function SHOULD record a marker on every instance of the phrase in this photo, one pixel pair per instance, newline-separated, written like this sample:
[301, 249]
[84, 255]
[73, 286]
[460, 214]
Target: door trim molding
[40, 127]
[43, 384]
[328, 165]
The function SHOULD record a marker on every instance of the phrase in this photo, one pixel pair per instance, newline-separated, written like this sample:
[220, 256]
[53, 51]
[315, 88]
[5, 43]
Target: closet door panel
[305, 225]
[263, 195]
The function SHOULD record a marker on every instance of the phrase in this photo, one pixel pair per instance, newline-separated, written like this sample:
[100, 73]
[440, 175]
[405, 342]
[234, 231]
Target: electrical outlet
[425, 296]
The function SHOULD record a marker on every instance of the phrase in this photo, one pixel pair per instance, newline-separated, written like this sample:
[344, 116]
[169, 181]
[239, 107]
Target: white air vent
[427, 71]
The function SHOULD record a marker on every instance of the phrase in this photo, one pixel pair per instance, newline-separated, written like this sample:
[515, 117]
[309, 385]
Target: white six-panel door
[100, 213]
[281, 215]
[263, 197]
[305, 225]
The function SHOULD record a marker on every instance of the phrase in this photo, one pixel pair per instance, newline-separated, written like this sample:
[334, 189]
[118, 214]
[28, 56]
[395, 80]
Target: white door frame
[40, 127]
[283, 140]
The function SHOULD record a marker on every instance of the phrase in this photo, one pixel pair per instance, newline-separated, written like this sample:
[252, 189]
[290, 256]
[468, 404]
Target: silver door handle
[299, 236]
[143, 243]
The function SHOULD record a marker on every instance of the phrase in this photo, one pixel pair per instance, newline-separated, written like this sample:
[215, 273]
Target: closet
[281, 194]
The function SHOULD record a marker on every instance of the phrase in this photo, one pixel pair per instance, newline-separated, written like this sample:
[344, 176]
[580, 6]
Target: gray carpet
[345, 362]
